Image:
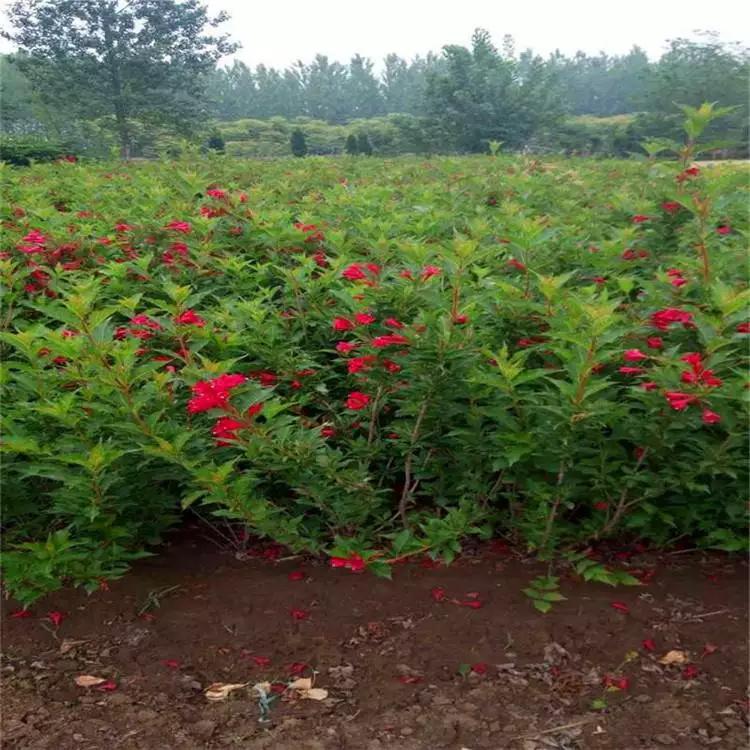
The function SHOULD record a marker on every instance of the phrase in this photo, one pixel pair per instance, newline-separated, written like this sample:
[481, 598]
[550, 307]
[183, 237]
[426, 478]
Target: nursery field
[507, 384]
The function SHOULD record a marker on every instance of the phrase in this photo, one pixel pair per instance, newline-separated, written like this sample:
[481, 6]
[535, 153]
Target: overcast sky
[278, 32]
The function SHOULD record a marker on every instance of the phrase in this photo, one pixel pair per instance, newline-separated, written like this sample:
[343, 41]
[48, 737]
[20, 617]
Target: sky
[279, 32]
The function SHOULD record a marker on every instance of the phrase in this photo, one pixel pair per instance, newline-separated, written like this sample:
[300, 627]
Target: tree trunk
[121, 118]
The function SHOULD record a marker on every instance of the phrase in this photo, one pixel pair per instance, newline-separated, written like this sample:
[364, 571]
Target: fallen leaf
[262, 687]
[218, 691]
[301, 683]
[315, 694]
[674, 657]
[69, 644]
[88, 680]
[620, 607]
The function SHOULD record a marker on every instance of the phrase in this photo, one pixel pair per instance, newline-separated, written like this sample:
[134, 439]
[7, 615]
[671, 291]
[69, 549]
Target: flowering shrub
[369, 362]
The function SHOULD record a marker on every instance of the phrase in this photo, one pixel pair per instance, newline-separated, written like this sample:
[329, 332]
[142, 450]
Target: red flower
[690, 672]
[393, 323]
[364, 319]
[296, 575]
[354, 562]
[406, 274]
[183, 227]
[516, 264]
[213, 394]
[710, 417]
[216, 193]
[620, 683]
[190, 318]
[328, 431]
[599, 279]
[655, 342]
[123, 227]
[649, 385]
[55, 618]
[639, 219]
[679, 401]
[625, 370]
[427, 272]
[357, 400]
[479, 668]
[354, 272]
[634, 355]
[224, 430]
[601, 505]
[723, 229]
[620, 607]
[299, 614]
[171, 663]
[342, 324]
[743, 328]
[438, 594]
[320, 259]
[460, 320]
[649, 644]
[662, 319]
[358, 364]
[671, 207]
[390, 339]
[391, 366]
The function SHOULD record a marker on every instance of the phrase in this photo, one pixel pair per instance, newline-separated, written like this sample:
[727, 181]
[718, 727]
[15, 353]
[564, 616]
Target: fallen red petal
[690, 672]
[20, 614]
[296, 668]
[620, 607]
[438, 594]
[710, 648]
[171, 663]
[299, 614]
[649, 644]
[55, 618]
[296, 575]
[261, 661]
[472, 603]
[107, 686]
[479, 668]
[408, 679]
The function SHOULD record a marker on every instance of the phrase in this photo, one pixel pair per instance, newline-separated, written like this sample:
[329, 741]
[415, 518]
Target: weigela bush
[369, 359]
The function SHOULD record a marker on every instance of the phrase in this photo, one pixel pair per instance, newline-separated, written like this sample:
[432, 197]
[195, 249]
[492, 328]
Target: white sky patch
[279, 32]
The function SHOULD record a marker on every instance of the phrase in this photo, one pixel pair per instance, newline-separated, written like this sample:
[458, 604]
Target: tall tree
[144, 60]
[483, 95]
[363, 96]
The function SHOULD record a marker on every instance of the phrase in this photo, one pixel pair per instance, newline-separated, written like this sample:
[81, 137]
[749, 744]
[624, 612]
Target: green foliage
[298, 143]
[503, 410]
[543, 592]
[351, 147]
[363, 144]
[141, 60]
[23, 150]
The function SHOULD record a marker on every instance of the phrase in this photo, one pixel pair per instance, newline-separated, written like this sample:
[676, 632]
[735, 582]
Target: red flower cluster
[364, 272]
[142, 328]
[662, 319]
[676, 278]
[697, 374]
[357, 401]
[190, 318]
[640, 219]
[671, 207]
[688, 174]
[311, 230]
[213, 394]
[390, 339]
[354, 562]
[181, 227]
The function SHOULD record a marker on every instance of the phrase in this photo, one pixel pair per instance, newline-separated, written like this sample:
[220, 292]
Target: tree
[351, 146]
[126, 60]
[481, 95]
[298, 143]
[363, 144]
[362, 92]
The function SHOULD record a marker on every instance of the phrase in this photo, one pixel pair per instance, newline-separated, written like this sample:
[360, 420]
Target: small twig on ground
[555, 729]
[707, 614]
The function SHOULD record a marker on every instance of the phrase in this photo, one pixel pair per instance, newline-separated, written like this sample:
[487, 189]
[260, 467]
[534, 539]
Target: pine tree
[351, 144]
[298, 143]
[363, 144]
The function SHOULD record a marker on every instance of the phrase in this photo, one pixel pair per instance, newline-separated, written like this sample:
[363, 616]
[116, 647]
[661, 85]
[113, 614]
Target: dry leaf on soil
[218, 691]
[674, 657]
[68, 644]
[301, 683]
[314, 694]
[88, 680]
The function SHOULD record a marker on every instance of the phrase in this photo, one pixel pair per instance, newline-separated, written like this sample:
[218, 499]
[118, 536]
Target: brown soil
[388, 654]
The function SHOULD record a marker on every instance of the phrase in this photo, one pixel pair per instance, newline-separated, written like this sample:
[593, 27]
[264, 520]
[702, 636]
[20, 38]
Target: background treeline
[455, 101]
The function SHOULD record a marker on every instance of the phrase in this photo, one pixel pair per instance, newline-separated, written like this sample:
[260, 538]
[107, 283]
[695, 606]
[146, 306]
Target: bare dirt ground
[439, 657]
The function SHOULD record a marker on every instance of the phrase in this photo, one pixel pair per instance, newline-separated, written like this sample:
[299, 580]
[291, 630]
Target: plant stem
[408, 490]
